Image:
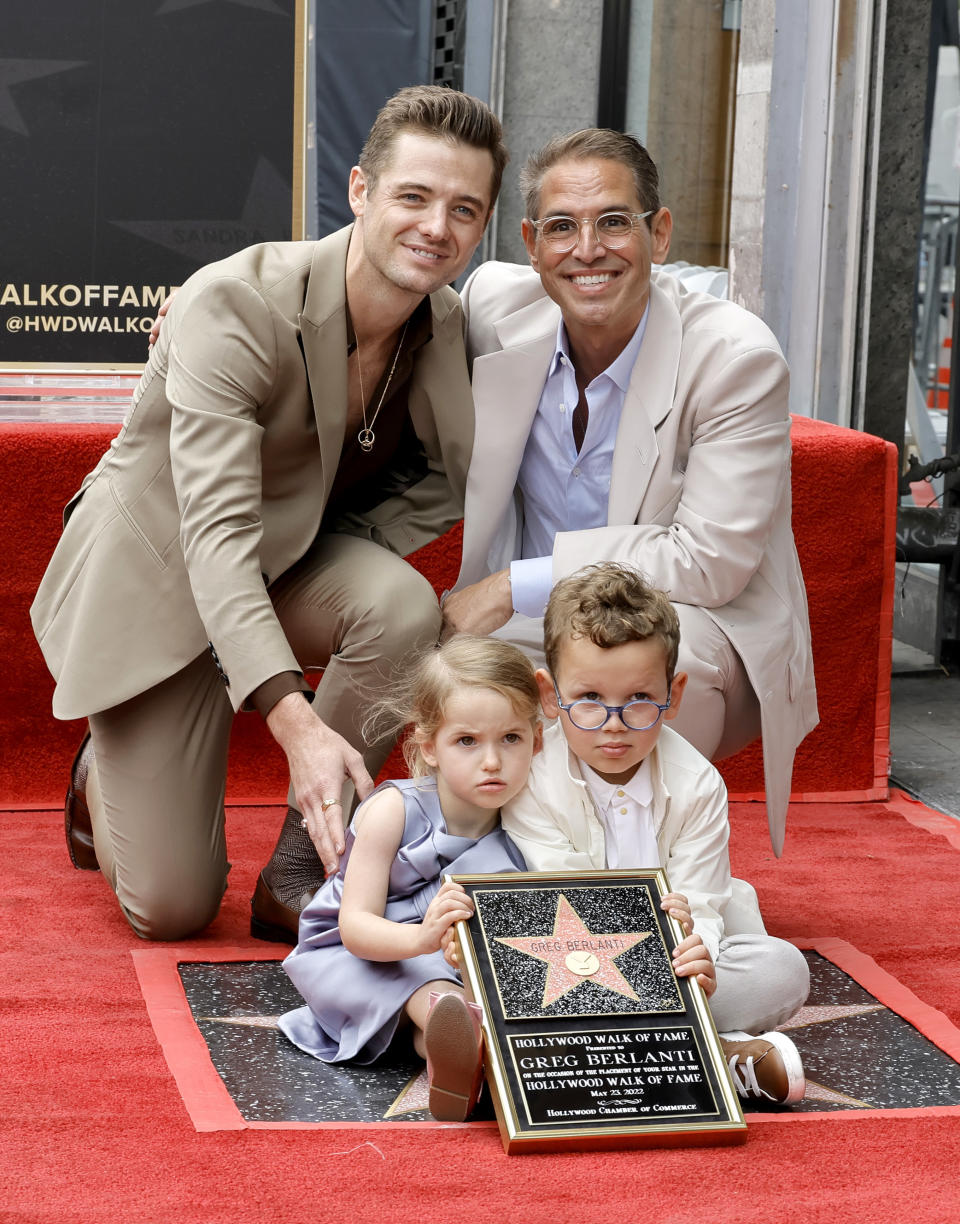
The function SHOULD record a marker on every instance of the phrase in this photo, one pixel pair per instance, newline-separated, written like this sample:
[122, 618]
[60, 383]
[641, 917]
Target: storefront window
[681, 92]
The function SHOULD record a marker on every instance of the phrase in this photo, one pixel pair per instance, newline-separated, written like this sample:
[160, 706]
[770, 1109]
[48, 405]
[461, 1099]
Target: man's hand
[320, 761]
[155, 330]
[480, 608]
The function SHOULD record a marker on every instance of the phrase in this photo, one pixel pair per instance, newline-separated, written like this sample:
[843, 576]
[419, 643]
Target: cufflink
[218, 665]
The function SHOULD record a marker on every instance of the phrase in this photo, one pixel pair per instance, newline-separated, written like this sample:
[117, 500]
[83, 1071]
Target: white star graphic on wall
[265, 216]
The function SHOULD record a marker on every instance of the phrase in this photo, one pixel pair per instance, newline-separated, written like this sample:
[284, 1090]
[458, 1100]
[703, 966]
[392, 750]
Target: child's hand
[691, 959]
[448, 945]
[450, 905]
[677, 906]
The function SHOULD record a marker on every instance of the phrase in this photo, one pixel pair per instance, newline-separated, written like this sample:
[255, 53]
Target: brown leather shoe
[270, 918]
[76, 814]
[287, 883]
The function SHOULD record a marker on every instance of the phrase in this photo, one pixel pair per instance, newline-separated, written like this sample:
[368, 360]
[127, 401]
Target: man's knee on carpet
[173, 907]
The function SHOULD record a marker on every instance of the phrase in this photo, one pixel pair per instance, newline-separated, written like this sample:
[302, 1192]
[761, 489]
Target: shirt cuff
[530, 583]
[265, 696]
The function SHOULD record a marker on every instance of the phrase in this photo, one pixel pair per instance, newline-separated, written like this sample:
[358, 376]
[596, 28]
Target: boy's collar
[639, 787]
[575, 766]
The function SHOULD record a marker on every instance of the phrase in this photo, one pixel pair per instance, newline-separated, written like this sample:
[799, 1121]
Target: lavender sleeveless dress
[354, 1005]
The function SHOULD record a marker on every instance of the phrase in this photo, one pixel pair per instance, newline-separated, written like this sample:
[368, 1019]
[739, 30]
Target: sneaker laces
[747, 1086]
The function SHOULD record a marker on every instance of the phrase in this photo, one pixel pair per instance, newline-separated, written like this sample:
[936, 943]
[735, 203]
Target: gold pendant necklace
[366, 437]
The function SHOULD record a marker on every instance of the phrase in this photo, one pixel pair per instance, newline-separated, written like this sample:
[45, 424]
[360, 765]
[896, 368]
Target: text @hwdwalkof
[51, 307]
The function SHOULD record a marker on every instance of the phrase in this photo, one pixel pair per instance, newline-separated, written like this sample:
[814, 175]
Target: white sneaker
[764, 1068]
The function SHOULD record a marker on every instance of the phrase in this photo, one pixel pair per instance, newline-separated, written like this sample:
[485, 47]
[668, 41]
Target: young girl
[369, 952]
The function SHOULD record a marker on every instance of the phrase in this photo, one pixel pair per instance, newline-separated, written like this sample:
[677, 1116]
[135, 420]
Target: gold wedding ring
[327, 803]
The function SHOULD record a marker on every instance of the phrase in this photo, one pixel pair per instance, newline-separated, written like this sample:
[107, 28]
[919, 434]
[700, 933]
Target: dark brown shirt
[366, 478]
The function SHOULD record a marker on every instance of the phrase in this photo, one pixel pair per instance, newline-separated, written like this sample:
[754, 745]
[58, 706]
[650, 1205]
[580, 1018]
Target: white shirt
[626, 813]
[563, 490]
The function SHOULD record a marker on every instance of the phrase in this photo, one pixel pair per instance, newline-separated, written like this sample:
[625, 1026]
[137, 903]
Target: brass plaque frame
[591, 1040]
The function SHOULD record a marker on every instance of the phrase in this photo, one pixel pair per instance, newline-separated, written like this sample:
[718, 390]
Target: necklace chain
[366, 437]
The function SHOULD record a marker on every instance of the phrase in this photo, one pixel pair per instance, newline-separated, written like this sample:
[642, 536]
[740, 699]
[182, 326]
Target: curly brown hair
[609, 604]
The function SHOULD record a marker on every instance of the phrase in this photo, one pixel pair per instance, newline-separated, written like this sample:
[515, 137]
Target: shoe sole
[77, 824]
[796, 1083]
[455, 1059]
[269, 920]
[270, 933]
[79, 840]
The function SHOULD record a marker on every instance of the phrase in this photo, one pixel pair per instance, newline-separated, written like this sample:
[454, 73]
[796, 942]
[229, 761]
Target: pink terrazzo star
[572, 944]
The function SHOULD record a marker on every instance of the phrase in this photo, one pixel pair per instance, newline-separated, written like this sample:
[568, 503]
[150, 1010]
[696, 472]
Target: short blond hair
[609, 604]
[419, 698]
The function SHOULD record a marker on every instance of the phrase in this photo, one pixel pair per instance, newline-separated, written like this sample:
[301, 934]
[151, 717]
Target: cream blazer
[699, 489]
[555, 826]
[219, 477]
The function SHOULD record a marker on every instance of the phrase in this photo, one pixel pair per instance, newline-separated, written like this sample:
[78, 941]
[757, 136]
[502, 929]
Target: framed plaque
[591, 1039]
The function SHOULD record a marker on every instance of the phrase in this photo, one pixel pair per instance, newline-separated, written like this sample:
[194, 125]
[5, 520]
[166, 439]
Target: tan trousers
[720, 713]
[156, 794]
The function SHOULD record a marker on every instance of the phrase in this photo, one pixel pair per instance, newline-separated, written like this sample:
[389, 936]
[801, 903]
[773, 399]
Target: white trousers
[761, 982]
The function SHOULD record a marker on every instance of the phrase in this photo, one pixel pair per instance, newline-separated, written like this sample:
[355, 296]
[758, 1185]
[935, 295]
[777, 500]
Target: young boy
[616, 788]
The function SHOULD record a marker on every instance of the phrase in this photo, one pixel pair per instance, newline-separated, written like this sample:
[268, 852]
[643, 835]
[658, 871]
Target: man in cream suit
[303, 423]
[621, 418]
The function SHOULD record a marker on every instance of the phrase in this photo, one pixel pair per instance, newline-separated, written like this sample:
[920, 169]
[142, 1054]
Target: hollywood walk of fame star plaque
[591, 1039]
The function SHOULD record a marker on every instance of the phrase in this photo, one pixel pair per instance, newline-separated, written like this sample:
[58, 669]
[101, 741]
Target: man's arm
[480, 608]
[710, 537]
[222, 367]
[319, 761]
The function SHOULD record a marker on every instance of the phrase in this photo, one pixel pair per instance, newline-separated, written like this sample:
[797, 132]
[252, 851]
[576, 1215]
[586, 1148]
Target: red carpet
[844, 499]
[92, 1126]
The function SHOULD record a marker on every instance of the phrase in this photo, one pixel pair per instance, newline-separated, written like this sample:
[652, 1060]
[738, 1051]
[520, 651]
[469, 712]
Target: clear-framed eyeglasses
[611, 229]
[587, 715]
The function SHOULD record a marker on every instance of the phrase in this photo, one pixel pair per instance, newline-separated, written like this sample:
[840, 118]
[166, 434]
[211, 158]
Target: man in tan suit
[303, 423]
[622, 418]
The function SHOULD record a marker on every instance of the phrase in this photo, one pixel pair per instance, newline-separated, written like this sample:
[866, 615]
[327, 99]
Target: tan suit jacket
[219, 477]
[699, 489]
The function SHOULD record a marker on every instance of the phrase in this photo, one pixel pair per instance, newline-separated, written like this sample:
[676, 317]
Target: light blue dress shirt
[564, 491]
